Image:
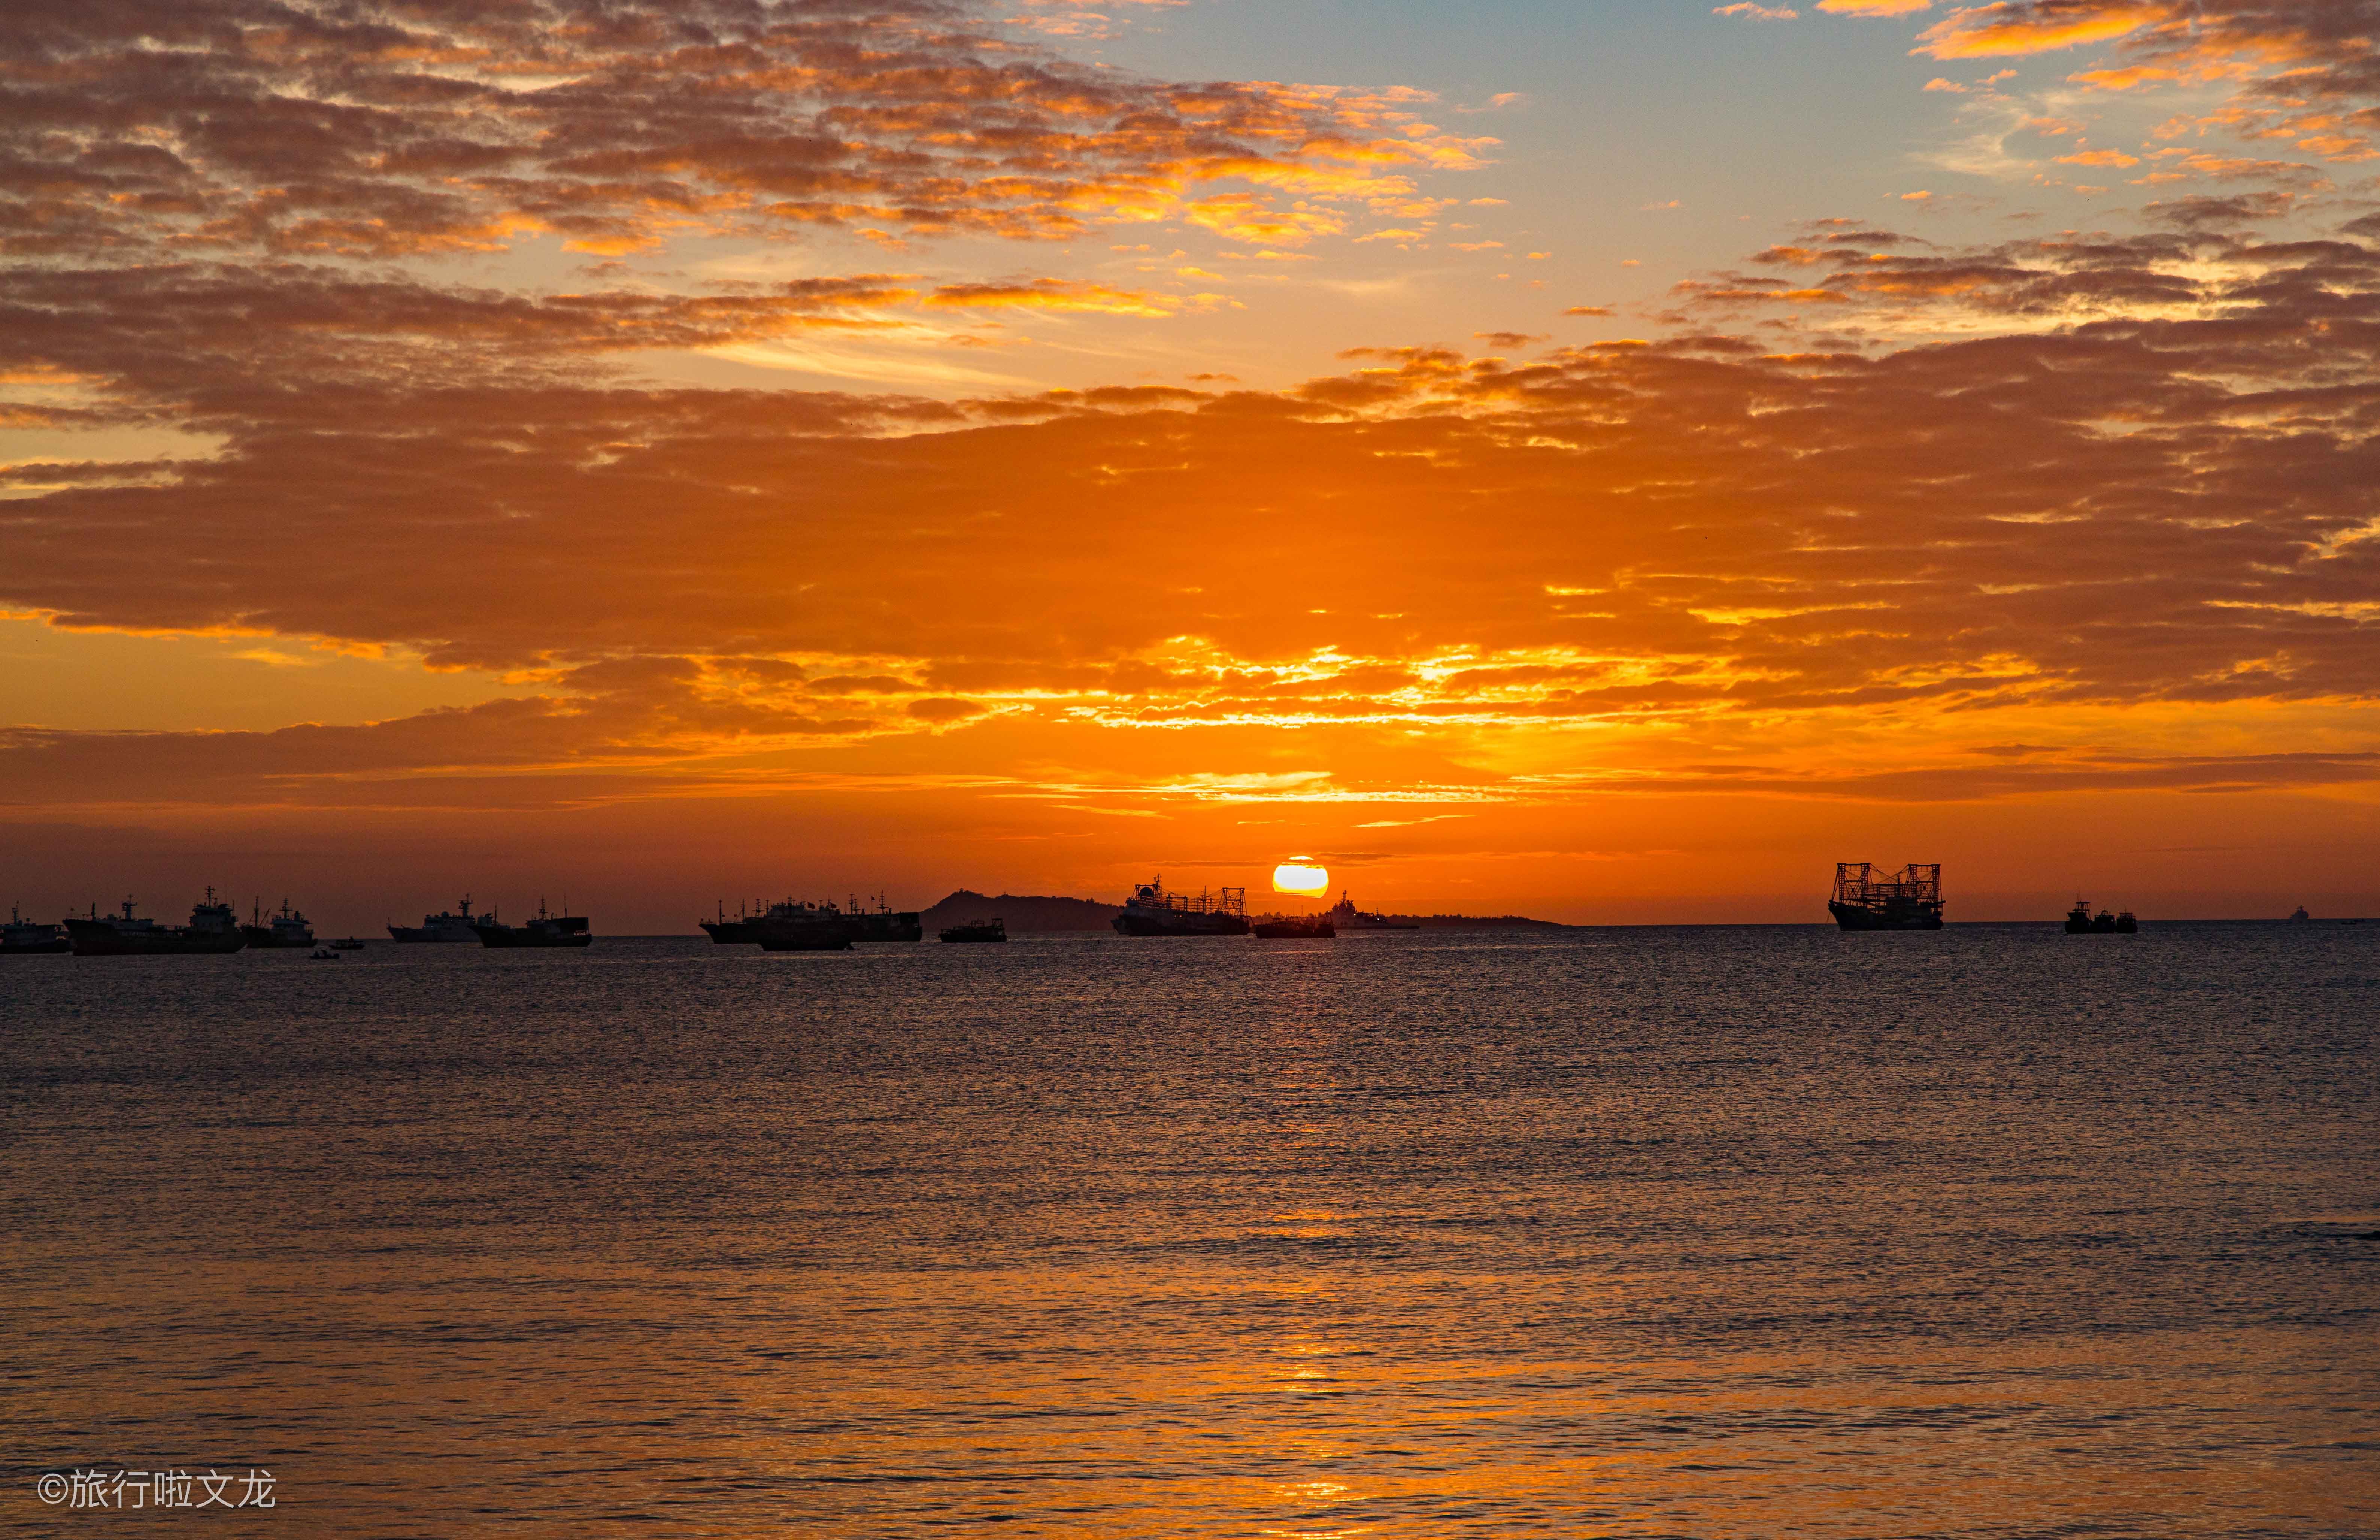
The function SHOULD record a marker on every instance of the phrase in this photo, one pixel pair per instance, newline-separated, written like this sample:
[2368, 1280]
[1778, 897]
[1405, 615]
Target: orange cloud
[2011, 27]
[1015, 547]
[900, 121]
[1052, 294]
[2280, 53]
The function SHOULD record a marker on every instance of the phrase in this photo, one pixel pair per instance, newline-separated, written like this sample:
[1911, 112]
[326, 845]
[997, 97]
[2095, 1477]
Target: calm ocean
[1752, 1231]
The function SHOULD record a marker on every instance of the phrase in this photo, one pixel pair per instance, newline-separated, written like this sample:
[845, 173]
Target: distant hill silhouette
[1022, 912]
[1481, 922]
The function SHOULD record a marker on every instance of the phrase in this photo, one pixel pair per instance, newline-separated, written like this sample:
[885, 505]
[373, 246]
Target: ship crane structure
[1868, 897]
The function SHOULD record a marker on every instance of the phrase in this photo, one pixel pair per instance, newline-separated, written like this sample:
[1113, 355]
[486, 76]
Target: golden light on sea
[1296, 877]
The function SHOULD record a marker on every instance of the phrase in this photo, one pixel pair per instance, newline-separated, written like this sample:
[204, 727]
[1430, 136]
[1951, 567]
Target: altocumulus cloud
[1859, 474]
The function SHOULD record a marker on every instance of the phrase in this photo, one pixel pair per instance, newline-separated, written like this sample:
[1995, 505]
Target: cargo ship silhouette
[213, 929]
[1909, 899]
[793, 925]
[1151, 911]
[1344, 915]
[287, 929]
[446, 926]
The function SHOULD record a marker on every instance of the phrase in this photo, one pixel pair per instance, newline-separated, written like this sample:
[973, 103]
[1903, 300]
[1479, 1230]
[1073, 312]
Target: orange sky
[679, 452]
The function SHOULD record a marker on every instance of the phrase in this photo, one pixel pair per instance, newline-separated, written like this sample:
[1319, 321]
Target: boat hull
[1165, 922]
[728, 932]
[805, 934]
[461, 935]
[261, 939]
[990, 930]
[1298, 930]
[1851, 916]
[98, 938]
[31, 949]
[535, 934]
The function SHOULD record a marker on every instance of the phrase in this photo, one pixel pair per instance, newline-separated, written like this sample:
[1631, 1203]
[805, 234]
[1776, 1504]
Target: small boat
[2080, 921]
[348, 944]
[2302, 913]
[1298, 927]
[993, 930]
[323, 954]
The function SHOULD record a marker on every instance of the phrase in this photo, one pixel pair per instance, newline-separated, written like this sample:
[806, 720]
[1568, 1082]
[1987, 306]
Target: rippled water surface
[1755, 1231]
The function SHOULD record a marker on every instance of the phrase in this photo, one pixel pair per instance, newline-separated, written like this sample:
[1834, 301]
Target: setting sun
[1296, 877]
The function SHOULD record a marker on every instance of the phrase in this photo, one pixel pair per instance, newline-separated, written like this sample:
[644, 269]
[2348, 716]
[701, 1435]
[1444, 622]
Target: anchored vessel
[21, 934]
[2080, 922]
[724, 931]
[993, 930]
[793, 925]
[545, 930]
[1344, 915]
[1301, 927]
[445, 927]
[881, 924]
[287, 929]
[1151, 911]
[213, 929]
[797, 927]
[1909, 899]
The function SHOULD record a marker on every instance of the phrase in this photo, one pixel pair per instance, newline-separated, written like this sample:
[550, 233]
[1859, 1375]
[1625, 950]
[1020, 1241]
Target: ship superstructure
[447, 925]
[1867, 899]
[1344, 915]
[1151, 911]
[213, 927]
[22, 935]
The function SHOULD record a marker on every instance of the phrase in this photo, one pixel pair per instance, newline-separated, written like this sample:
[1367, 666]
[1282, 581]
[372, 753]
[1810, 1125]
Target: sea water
[1745, 1232]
